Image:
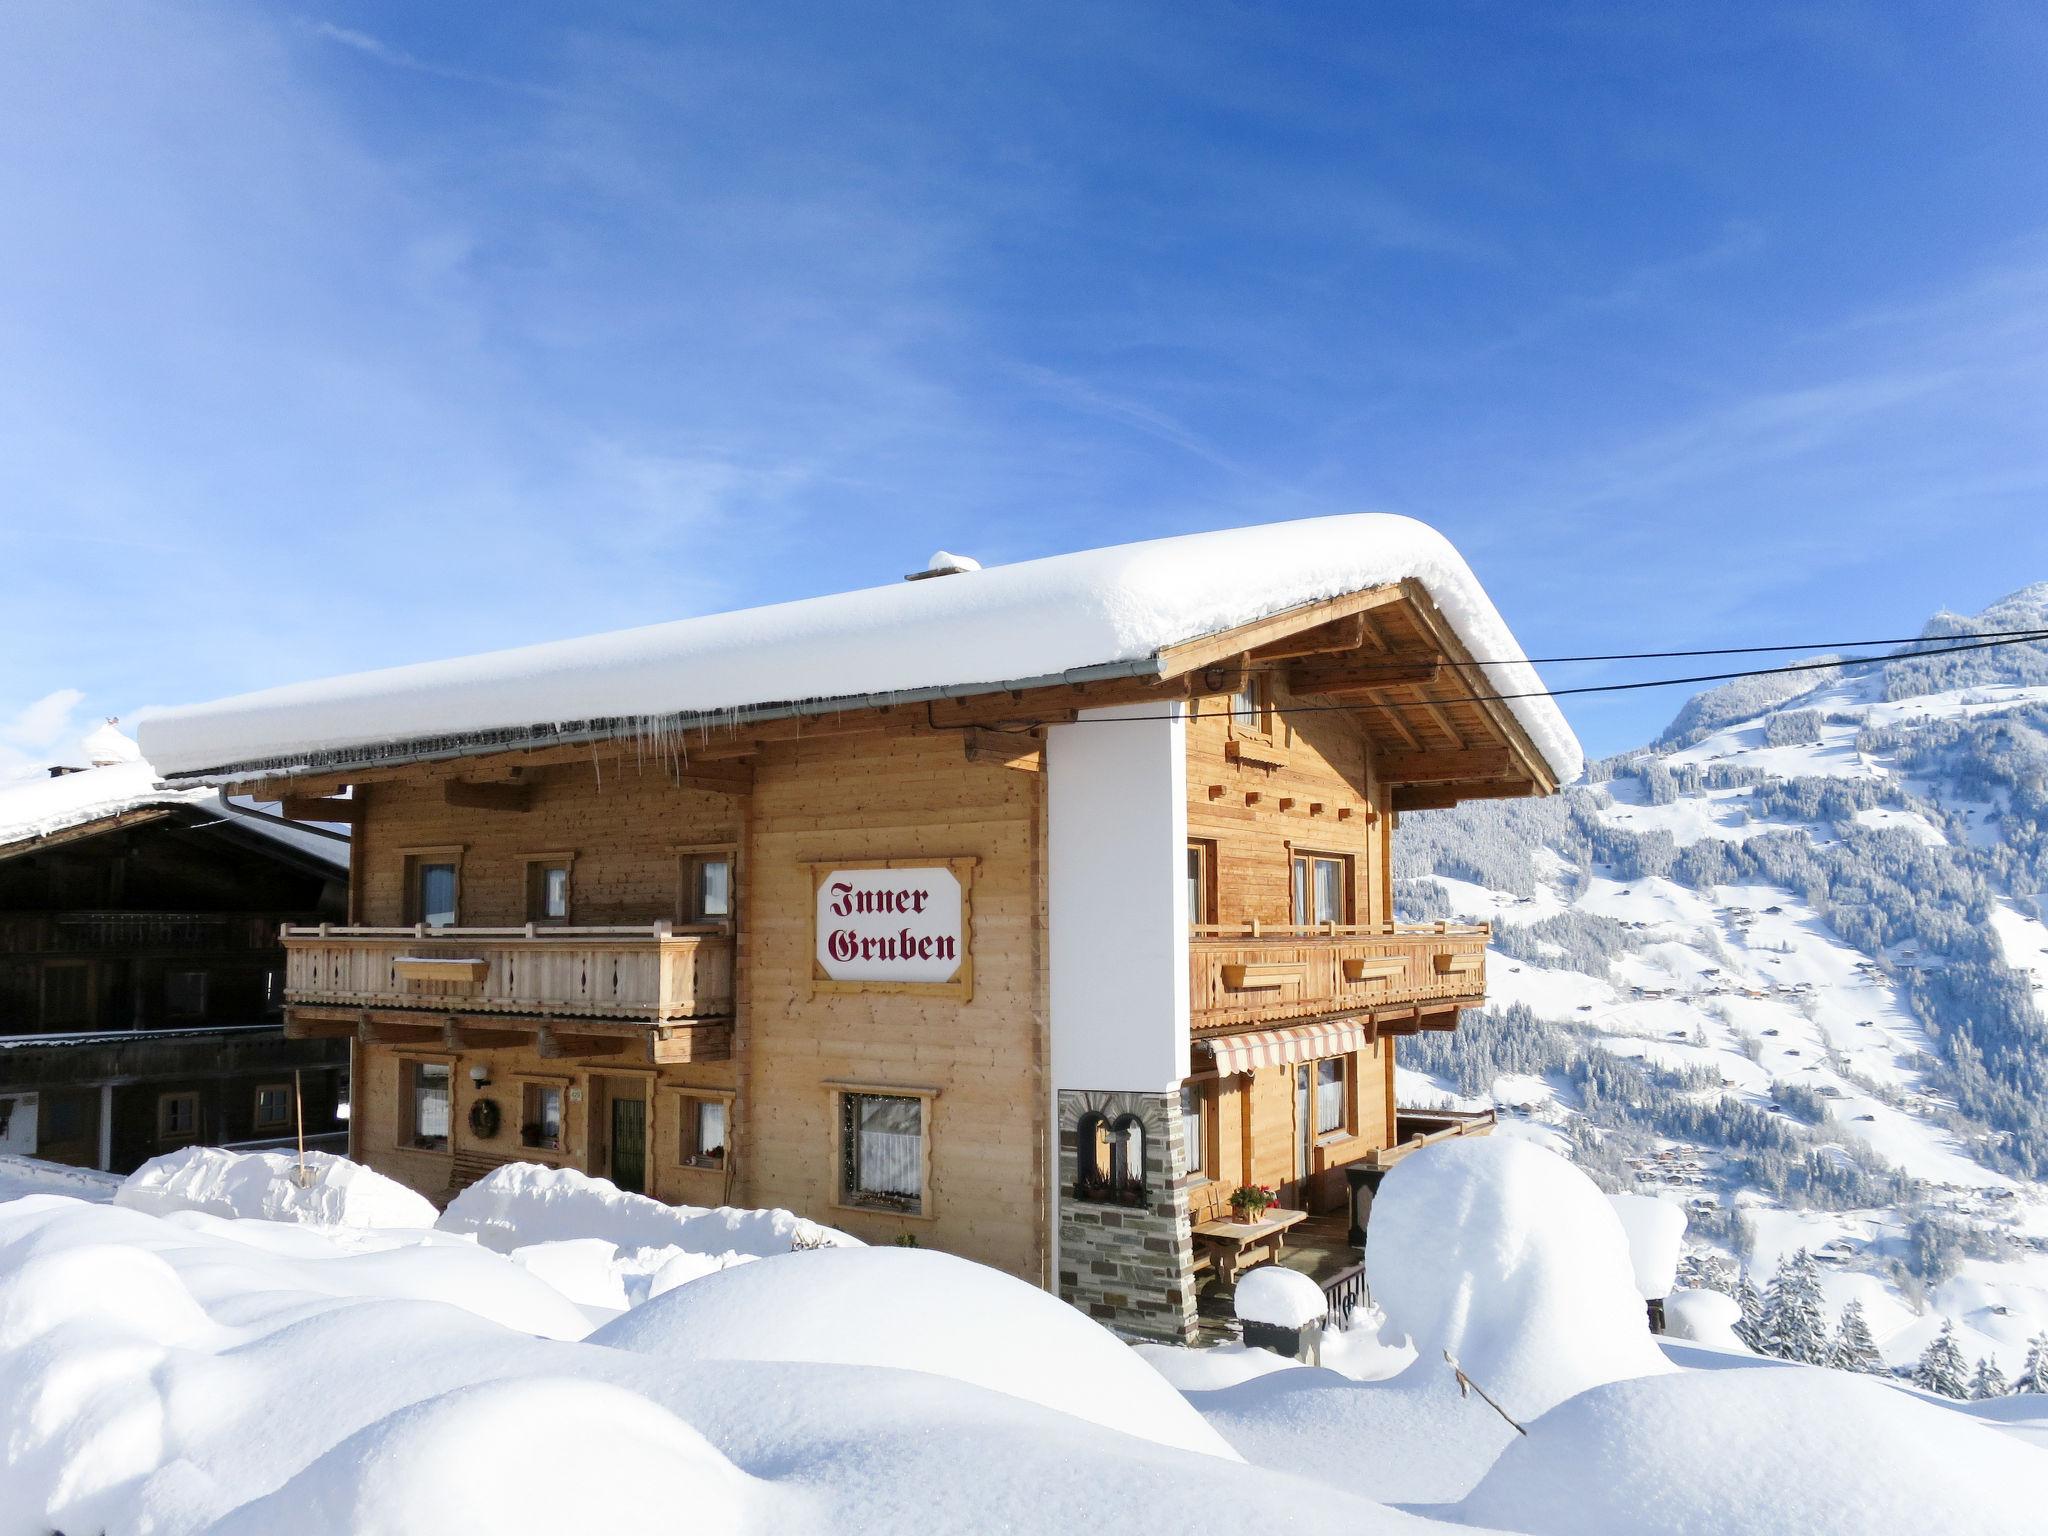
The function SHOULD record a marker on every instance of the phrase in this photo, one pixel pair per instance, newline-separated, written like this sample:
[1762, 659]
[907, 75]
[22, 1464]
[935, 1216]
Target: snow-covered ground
[172, 1370]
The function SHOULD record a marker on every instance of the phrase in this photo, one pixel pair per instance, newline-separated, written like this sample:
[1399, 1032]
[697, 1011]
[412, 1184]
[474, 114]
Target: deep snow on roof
[1002, 626]
[37, 808]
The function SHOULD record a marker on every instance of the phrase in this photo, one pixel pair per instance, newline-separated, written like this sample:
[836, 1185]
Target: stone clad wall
[1127, 1266]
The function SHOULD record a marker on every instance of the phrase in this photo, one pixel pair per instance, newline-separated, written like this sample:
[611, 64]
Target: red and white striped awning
[1285, 1047]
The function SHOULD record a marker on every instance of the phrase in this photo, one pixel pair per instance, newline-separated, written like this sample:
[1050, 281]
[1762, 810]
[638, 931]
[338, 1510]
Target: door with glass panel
[625, 1123]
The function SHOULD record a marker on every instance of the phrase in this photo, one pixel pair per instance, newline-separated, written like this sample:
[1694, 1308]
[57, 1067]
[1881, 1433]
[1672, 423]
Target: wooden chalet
[142, 973]
[1025, 911]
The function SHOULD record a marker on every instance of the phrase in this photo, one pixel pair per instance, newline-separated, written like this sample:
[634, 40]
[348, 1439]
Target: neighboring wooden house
[141, 970]
[1025, 912]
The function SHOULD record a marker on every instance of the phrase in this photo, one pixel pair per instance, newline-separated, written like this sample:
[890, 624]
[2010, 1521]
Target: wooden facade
[141, 997]
[569, 1001]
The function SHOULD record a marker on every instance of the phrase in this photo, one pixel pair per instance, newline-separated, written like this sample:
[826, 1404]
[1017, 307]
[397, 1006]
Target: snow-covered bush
[526, 1203]
[1511, 1260]
[266, 1186]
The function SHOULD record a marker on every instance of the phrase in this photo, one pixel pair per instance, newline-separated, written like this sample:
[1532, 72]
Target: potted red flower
[1248, 1202]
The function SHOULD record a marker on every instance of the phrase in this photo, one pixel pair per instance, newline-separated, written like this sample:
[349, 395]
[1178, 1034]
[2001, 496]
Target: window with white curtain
[1329, 1095]
[882, 1151]
[1193, 1129]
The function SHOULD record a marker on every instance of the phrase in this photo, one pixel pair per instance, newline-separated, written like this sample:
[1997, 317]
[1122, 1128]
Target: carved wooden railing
[170, 932]
[1248, 973]
[653, 972]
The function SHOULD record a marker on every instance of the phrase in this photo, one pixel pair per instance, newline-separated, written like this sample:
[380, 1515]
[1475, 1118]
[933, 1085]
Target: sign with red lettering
[893, 923]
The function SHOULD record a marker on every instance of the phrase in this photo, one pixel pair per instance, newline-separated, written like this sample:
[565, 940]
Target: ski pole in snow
[1465, 1382]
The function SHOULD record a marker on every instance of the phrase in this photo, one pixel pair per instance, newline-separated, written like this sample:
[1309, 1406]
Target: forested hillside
[1787, 965]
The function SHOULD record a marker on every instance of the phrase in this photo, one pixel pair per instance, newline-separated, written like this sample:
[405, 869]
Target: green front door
[629, 1144]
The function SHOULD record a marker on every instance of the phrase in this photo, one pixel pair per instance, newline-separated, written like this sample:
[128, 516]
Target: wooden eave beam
[1360, 675]
[1193, 655]
[1498, 715]
[1441, 797]
[1339, 635]
[1444, 767]
[1004, 749]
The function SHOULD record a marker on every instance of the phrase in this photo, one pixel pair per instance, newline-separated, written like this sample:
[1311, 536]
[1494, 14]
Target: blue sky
[361, 334]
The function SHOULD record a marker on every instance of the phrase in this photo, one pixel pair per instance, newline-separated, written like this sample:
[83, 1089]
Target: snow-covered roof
[1098, 612]
[39, 808]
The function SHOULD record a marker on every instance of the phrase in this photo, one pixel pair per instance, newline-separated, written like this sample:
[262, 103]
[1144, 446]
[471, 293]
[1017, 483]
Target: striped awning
[1285, 1047]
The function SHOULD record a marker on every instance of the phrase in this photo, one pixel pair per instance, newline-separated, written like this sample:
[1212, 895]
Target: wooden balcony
[672, 982]
[1247, 974]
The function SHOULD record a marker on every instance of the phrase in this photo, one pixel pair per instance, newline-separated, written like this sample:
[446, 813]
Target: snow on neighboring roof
[1113, 608]
[37, 808]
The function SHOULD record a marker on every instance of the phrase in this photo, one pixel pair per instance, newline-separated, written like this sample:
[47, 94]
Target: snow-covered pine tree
[1854, 1349]
[2034, 1374]
[1749, 1329]
[1941, 1368]
[1793, 1326]
[1989, 1380]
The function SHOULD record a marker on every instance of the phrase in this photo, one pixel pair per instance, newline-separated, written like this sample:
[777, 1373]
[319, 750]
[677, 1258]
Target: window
[540, 1116]
[1109, 1159]
[1329, 1095]
[1321, 889]
[707, 885]
[547, 889]
[273, 1107]
[177, 1117]
[433, 879]
[1194, 1127]
[881, 1151]
[185, 994]
[67, 996]
[1201, 882]
[703, 1133]
[1249, 707]
[427, 1093]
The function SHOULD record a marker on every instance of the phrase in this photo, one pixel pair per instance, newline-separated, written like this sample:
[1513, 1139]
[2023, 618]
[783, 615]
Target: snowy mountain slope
[1788, 966]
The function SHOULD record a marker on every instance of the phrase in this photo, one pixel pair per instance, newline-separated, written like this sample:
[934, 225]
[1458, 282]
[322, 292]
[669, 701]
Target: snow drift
[1793, 1451]
[264, 1186]
[527, 1203]
[1509, 1258]
[916, 1311]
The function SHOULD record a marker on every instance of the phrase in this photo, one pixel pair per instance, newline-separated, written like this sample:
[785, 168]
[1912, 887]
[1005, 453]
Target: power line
[2019, 636]
[2011, 637]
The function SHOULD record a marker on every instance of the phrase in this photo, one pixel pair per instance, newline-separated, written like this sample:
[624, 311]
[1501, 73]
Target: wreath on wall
[484, 1119]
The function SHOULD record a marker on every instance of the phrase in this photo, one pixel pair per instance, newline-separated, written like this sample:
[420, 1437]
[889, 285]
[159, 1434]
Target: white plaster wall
[1116, 875]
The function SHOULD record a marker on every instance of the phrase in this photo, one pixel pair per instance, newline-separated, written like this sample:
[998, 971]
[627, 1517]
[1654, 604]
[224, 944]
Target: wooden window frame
[256, 1119]
[927, 1106]
[686, 1103]
[1258, 726]
[1346, 1081]
[1205, 1131]
[1204, 849]
[412, 859]
[1347, 868]
[164, 1133]
[688, 857]
[532, 863]
[405, 1130]
[527, 1082]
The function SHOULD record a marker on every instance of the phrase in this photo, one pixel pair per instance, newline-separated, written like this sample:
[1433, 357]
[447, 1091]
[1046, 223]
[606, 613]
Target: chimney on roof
[58, 770]
[943, 563]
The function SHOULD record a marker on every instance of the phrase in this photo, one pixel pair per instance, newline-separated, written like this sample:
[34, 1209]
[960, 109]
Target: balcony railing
[59, 933]
[1247, 973]
[655, 973]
